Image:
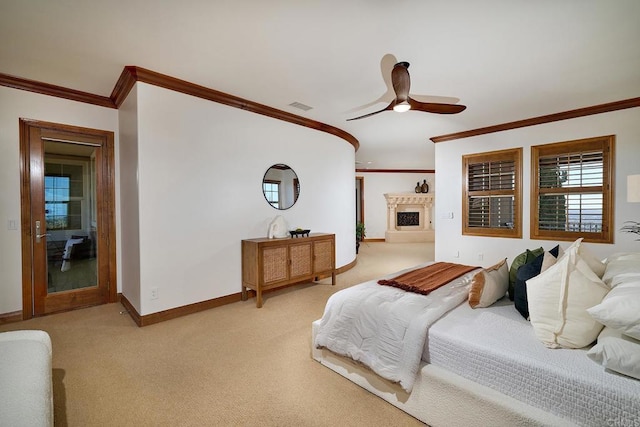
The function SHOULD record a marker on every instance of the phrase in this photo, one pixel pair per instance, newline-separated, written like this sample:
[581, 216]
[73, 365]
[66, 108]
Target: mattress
[497, 348]
[384, 327]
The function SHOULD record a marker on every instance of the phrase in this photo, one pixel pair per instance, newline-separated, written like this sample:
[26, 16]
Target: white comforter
[385, 328]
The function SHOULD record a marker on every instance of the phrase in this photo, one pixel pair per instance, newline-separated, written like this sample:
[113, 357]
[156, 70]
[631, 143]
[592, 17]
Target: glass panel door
[68, 217]
[71, 226]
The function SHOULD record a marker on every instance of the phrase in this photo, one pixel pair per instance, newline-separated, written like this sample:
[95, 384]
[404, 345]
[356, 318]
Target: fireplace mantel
[409, 202]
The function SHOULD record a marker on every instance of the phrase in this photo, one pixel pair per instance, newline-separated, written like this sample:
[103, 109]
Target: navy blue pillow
[525, 272]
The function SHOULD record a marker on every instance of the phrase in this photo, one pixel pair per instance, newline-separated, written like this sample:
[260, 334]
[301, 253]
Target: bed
[482, 366]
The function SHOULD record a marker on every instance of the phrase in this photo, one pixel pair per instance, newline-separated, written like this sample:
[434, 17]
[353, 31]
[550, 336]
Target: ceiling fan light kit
[402, 107]
[403, 102]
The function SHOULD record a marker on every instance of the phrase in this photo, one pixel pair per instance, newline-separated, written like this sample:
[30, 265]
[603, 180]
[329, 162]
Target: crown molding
[396, 170]
[132, 74]
[53, 90]
[571, 114]
[123, 86]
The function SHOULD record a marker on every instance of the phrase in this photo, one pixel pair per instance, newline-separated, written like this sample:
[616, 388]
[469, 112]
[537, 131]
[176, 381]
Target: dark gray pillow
[525, 272]
[519, 261]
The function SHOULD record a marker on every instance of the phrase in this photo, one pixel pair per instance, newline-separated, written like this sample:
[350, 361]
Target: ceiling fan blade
[435, 98]
[388, 107]
[435, 107]
[401, 81]
[386, 66]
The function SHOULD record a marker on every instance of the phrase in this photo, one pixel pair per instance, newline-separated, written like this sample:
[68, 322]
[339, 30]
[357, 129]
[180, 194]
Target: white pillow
[620, 271]
[489, 285]
[622, 256]
[620, 309]
[617, 352]
[558, 299]
[594, 263]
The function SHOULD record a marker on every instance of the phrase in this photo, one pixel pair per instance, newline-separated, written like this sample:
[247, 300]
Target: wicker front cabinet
[272, 263]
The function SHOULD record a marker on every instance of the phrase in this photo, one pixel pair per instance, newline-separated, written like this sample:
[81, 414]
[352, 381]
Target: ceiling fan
[403, 102]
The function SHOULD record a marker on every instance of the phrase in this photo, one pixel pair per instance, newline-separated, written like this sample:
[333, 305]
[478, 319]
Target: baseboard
[184, 310]
[347, 267]
[173, 313]
[131, 310]
[176, 312]
[15, 316]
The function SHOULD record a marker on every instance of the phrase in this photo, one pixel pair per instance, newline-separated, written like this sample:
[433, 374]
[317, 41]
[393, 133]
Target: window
[492, 202]
[271, 191]
[571, 194]
[63, 193]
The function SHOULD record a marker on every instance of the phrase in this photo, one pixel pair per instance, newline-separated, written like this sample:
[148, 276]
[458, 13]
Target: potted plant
[631, 227]
[360, 234]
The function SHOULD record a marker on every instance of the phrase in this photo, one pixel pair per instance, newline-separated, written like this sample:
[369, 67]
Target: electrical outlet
[480, 256]
[456, 254]
[154, 293]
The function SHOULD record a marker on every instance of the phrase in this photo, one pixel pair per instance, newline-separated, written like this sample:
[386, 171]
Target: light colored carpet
[232, 365]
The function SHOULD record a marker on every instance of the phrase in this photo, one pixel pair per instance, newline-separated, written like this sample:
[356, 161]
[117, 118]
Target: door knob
[38, 235]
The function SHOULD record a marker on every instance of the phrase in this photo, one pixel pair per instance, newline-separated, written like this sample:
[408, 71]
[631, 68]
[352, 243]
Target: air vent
[300, 106]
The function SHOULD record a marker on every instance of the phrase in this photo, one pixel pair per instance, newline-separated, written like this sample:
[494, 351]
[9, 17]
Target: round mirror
[280, 186]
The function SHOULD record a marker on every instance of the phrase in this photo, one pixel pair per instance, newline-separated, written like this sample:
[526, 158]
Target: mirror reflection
[280, 186]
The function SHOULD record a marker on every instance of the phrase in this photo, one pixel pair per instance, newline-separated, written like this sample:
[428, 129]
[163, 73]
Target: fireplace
[409, 217]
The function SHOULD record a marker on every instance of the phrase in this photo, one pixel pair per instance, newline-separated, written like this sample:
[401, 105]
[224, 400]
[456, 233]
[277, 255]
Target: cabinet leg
[259, 297]
[244, 293]
[333, 278]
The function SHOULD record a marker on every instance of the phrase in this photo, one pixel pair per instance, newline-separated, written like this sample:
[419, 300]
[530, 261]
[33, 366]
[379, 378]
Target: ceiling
[505, 60]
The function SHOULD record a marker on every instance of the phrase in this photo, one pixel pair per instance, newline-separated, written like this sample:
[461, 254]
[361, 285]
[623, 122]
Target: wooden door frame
[108, 180]
[360, 179]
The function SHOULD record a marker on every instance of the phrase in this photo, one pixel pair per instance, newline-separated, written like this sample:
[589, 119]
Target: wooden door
[68, 226]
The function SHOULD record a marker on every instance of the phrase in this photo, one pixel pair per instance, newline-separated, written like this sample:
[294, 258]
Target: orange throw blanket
[429, 278]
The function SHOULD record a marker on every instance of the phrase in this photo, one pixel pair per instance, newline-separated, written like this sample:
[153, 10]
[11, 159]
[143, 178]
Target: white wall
[200, 169]
[376, 185]
[189, 189]
[449, 240]
[16, 104]
[129, 238]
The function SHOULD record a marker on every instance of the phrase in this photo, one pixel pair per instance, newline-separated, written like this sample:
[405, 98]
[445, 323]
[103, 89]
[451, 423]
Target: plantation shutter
[491, 198]
[572, 189]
